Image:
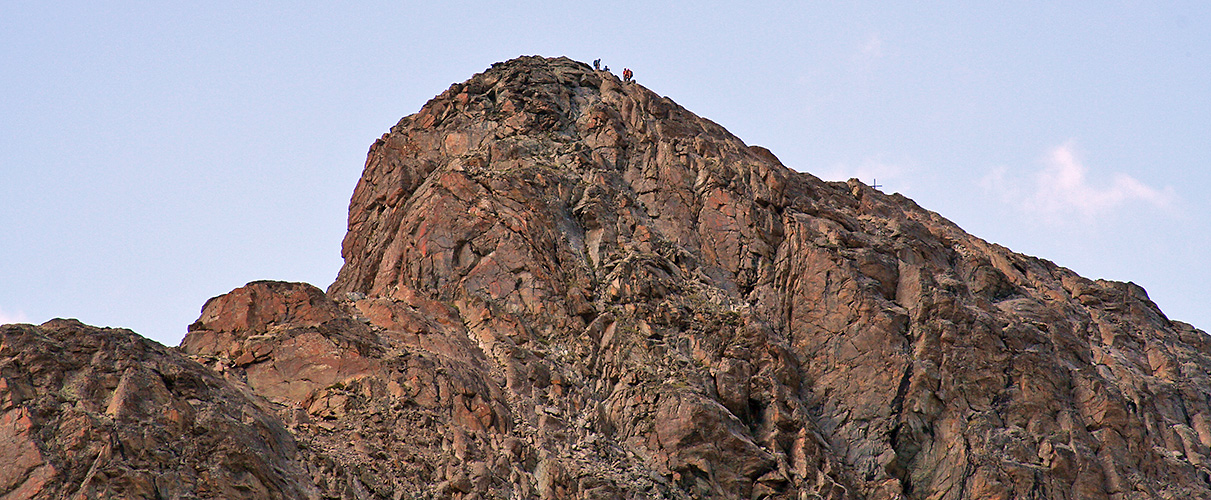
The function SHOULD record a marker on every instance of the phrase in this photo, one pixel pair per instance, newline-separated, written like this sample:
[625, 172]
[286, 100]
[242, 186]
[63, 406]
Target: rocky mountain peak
[558, 284]
[560, 126]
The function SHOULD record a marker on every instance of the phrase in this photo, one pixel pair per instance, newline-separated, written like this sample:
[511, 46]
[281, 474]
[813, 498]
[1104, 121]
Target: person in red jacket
[626, 74]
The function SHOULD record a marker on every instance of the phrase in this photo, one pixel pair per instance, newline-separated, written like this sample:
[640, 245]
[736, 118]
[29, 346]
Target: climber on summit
[627, 74]
[597, 64]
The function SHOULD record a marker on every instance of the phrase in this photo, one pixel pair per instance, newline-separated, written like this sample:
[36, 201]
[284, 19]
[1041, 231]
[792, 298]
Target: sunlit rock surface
[561, 285]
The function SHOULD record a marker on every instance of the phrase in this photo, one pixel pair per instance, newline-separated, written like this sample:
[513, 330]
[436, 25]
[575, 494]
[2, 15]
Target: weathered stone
[106, 413]
[561, 285]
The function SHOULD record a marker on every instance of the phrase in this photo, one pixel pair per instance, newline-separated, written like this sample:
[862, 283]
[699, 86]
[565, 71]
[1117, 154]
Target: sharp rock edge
[558, 284]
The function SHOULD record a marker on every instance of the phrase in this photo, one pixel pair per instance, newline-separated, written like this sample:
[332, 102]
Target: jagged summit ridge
[558, 284]
[491, 124]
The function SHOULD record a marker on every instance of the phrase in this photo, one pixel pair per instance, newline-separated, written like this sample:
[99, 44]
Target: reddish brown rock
[561, 285]
[818, 338]
[101, 413]
[287, 340]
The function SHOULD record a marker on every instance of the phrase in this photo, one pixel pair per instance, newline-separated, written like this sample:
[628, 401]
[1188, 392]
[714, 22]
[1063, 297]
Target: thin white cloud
[872, 48]
[1063, 189]
[16, 317]
[997, 182]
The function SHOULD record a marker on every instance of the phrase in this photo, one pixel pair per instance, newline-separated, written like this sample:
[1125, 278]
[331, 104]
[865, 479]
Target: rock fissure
[561, 285]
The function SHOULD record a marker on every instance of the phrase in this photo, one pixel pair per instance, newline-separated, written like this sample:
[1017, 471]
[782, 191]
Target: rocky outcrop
[89, 412]
[561, 285]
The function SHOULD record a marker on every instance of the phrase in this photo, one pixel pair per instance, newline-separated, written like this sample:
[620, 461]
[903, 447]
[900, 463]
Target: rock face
[561, 285]
[87, 412]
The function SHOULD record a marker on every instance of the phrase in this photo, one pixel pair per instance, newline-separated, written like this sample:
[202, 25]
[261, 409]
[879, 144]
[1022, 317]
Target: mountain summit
[558, 284]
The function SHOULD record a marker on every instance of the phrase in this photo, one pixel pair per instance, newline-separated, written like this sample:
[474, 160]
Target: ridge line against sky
[154, 156]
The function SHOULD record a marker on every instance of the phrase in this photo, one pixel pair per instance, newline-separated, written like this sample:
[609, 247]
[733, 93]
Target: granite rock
[561, 285]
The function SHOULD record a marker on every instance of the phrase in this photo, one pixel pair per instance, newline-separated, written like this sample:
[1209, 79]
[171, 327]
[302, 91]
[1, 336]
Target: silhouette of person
[627, 74]
[597, 64]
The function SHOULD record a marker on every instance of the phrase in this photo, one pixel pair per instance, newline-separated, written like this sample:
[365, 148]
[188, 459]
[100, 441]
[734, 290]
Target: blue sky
[153, 155]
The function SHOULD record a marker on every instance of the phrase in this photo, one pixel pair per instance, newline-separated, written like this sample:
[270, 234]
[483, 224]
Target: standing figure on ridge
[627, 74]
[597, 64]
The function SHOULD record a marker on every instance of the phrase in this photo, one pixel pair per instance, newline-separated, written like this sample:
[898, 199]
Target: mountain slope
[560, 285]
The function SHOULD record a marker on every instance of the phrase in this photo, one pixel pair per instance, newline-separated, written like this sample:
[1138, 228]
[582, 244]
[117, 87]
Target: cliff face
[561, 285]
